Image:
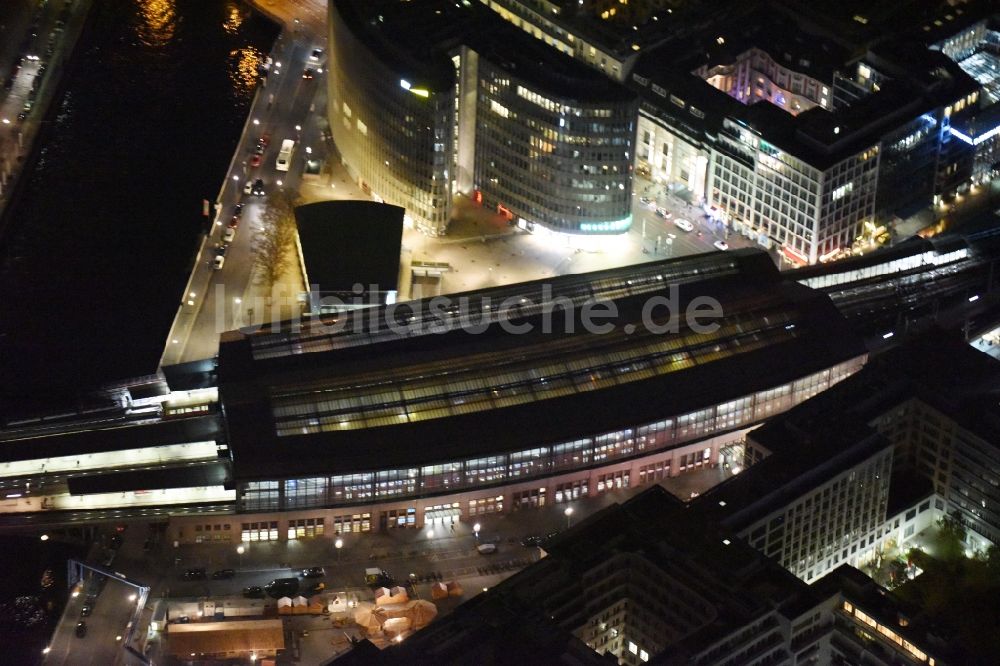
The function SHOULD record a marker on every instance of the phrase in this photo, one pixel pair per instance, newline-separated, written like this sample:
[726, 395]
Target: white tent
[300, 601]
[284, 601]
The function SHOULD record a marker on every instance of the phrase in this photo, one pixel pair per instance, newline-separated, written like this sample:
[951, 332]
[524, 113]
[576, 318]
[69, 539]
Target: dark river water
[99, 244]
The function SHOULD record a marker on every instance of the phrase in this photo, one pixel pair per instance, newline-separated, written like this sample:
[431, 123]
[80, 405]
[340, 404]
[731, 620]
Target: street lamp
[475, 528]
[240, 550]
[338, 544]
[568, 512]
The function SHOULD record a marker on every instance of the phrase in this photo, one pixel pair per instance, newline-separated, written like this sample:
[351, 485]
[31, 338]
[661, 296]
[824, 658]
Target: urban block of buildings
[762, 568]
[785, 121]
[649, 581]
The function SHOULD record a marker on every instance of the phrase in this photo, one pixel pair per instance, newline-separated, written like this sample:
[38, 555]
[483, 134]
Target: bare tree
[273, 247]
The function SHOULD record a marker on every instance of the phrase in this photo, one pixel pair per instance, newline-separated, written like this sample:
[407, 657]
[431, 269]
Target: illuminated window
[499, 109]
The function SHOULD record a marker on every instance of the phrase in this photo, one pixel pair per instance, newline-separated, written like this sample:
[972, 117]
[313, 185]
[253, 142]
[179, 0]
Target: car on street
[721, 245]
[234, 222]
[264, 139]
[683, 225]
[218, 263]
[531, 541]
[645, 200]
[260, 147]
[253, 592]
[313, 572]
[194, 574]
[248, 187]
[255, 160]
[258, 188]
[375, 577]
[662, 213]
[87, 609]
[309, 73]
[223, 574]
[282, 587]
[486, 548]
[316, 56]
[81, 629]
[229, 234]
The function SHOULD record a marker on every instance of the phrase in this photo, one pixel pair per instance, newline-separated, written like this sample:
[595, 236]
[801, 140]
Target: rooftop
[922, 80]
[405, 384]
[421, 37]
[346, 243]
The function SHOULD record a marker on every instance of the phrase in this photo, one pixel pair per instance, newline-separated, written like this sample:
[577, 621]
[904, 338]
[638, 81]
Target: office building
[767, 116]
[430, 99]
[872, 462]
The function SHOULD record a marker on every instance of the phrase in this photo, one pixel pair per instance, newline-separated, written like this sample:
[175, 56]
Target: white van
[285, 155]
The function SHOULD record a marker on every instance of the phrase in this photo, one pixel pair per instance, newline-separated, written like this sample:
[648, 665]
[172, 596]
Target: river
[101, 239]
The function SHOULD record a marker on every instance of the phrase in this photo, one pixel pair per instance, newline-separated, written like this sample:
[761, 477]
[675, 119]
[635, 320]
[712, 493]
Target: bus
[285, 155]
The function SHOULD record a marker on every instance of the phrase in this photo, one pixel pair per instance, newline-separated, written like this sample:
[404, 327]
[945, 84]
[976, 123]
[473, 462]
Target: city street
[213, 302]
[30, 40]
[439, 551]
[106, 627]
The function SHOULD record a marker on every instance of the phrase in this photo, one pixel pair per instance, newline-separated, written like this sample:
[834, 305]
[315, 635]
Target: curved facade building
[554, 150]
[391, 116]
[430, 98]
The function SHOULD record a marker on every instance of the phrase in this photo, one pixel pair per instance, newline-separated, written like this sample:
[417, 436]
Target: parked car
[253, 592]
[81, 629]
[255, 160]
[721, 245]
[683, 225]
[486, 548]
[229, 234]
[313, 572]
[219, 262]
[258, 188]
[531, 541]
[223, 574]
[194, 574]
